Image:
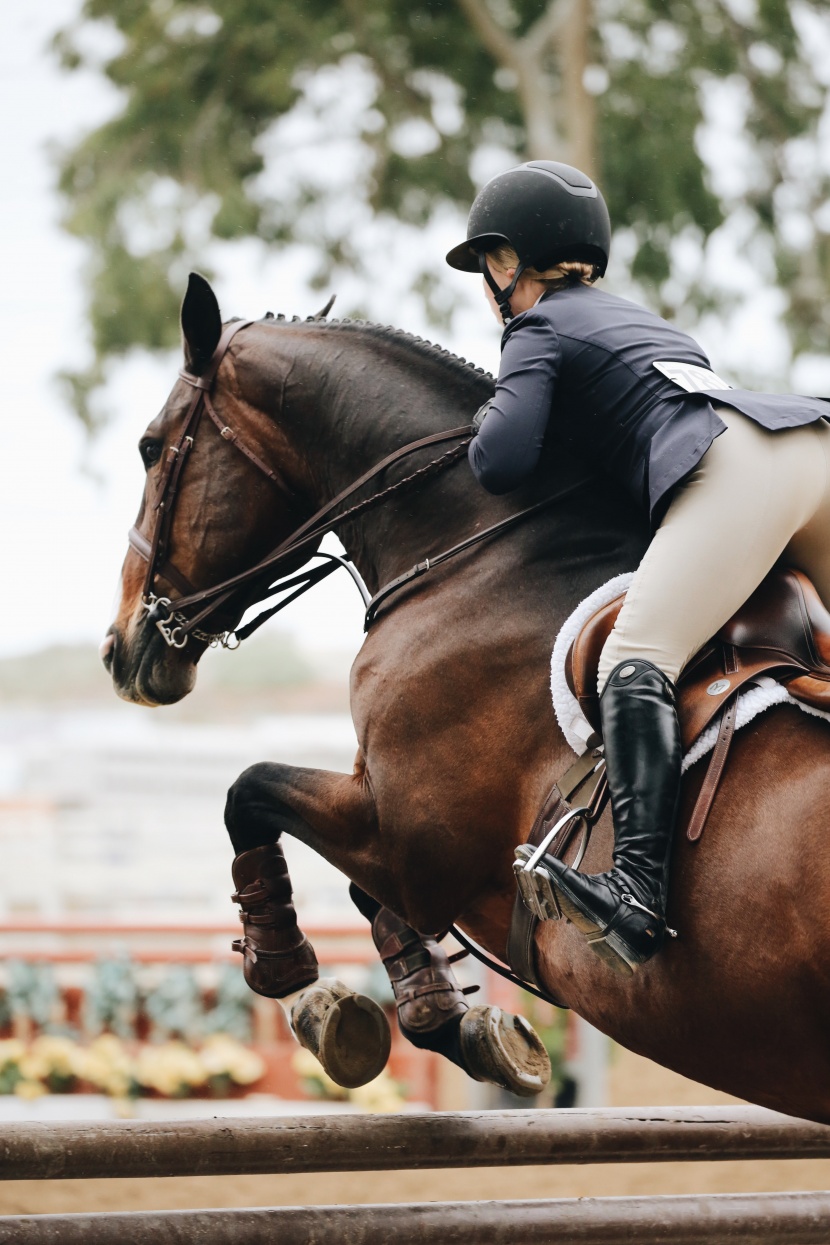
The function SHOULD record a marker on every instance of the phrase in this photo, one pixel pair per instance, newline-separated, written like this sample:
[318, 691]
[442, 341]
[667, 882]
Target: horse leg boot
[622, 912]
[433, 1013]
[278, 958]
[347, 1032]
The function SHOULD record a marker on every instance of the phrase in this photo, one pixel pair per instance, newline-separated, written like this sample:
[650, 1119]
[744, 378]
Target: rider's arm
[509, 442]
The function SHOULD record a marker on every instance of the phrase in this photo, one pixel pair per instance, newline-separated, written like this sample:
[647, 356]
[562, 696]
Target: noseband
[254, 585]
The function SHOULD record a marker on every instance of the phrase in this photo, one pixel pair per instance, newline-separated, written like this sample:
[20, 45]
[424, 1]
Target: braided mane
[386, 332]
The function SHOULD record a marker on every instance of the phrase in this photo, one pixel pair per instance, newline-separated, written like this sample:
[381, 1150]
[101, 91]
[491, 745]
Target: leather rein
[257, 584]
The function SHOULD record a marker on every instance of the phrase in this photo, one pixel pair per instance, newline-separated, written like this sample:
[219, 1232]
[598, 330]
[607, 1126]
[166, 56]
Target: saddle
[781, 633]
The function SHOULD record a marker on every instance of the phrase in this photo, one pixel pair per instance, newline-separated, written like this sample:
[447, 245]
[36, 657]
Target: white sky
[63, 532]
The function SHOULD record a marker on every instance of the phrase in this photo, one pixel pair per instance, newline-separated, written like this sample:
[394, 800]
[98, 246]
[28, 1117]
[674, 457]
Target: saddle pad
[574, 725]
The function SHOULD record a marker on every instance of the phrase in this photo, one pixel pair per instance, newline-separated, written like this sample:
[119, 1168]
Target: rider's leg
[623, 912]
[727, 525]
[729, 522]
[809, 549]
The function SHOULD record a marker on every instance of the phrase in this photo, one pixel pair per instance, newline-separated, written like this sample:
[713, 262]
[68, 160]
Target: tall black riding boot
[622, 912]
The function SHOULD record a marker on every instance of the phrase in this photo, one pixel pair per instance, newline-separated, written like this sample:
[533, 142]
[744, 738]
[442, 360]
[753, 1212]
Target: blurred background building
[109, 812]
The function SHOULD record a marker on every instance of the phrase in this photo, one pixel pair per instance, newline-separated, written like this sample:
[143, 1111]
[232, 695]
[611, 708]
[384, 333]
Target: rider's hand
[478, 418]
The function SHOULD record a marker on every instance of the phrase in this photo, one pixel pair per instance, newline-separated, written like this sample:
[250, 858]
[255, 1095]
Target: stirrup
[532, 878]
[535, 886]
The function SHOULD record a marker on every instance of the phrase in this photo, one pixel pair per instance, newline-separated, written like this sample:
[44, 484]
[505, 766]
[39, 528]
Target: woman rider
[732, 481]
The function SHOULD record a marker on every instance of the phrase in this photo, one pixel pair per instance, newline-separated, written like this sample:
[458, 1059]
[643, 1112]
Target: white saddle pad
[573, 723]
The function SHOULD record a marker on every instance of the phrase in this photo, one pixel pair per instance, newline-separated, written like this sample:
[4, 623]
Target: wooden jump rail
[336, 1143]
[740, 1219]
[286, 1145]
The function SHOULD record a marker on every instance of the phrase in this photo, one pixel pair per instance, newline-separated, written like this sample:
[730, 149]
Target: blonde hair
[571, 272]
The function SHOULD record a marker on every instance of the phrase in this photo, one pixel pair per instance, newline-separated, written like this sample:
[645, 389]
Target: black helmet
[547, 212]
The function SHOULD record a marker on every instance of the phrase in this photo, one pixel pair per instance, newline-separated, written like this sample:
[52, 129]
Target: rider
[730, 480]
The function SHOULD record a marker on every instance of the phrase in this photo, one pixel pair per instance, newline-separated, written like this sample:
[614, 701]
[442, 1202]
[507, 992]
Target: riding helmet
[548, 212]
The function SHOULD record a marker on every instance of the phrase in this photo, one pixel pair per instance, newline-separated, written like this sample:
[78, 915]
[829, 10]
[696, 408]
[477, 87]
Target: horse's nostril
[106, 649]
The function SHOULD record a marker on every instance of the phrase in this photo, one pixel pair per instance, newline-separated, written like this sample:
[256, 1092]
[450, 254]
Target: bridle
[175, 625]
[174, 619]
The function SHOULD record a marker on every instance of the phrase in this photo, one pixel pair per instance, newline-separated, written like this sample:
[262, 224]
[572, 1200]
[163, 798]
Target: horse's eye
[150, 452]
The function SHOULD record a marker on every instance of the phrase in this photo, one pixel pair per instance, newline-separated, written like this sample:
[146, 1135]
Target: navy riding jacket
[581, 362]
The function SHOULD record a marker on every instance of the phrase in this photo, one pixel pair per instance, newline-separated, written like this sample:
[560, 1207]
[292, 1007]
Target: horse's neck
[352, 397]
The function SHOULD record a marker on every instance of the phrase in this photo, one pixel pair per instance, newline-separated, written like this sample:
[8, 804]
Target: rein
[486, 534]
[176, 627]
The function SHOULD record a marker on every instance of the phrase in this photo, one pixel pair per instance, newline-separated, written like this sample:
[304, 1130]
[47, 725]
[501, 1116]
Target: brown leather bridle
[258, 583]
[253, 585]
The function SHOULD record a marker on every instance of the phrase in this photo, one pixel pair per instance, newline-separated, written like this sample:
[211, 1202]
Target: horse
[458, 745]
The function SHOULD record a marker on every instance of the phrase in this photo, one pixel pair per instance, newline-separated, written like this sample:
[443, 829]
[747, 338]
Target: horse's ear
[201, 323]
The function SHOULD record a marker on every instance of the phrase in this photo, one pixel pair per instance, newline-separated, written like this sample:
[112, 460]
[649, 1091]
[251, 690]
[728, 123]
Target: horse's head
[208, 511]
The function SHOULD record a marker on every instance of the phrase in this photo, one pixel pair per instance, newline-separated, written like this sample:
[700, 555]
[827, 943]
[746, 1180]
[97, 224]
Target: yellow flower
[12, 1050]
[222, 1055]
[308, 1069]
[50, 1056]
[381, 1094]
[29, 1089]
[107, 1064]
[170, 1068]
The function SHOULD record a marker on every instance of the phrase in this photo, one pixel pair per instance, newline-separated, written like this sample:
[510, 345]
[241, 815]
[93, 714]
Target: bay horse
[458, 744]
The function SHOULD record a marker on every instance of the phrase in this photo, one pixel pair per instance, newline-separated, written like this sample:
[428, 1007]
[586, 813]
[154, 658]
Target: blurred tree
[300, 123]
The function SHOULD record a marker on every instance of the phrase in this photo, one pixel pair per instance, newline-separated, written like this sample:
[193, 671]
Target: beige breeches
[754, 498]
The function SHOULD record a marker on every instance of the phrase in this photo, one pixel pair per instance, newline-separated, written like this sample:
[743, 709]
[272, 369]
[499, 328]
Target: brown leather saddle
[782, 633]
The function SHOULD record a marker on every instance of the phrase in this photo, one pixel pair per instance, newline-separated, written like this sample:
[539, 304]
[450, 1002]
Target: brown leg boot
[278, 957]
[488, 1043]
[427, 993]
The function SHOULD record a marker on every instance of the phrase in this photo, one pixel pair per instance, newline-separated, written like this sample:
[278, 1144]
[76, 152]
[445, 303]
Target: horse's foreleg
[332, 813]
[433, 1013]
[335, 815]
[346, 1031]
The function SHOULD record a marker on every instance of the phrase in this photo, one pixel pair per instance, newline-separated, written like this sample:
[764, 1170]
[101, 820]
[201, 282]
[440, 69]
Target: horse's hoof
[504, 1050]
[347, 1032]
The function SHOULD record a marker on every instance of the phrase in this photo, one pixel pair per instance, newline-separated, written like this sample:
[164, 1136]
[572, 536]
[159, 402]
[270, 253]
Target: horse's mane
[386, 332]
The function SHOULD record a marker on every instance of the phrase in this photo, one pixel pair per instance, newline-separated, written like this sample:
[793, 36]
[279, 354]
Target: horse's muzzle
[144, 670]
[106, 649]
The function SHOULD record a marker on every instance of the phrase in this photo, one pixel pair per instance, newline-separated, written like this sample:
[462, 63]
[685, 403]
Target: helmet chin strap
[502, 296]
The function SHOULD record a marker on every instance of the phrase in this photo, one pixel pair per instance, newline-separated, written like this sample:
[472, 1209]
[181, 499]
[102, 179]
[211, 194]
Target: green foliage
[232, 1012]
[10, 1076]
[229, 109]
[174, 1006]
[551, 1025]
[31, 992]
[112, 999]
